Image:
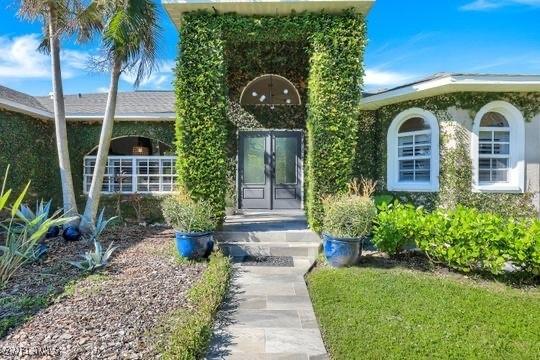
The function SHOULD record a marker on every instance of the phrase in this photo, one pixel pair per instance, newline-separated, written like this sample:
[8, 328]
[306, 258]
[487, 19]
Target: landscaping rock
[114, 314]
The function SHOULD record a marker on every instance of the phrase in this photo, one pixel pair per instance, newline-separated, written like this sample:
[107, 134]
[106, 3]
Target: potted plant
[347, 221]
[194, 223]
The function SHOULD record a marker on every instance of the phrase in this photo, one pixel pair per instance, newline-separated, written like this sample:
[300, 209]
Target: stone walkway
[268, 316]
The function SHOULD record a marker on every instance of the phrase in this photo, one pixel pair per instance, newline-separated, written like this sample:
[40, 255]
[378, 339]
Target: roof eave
[25, 109]
[452, 84]
[123, 117]
[176, 8]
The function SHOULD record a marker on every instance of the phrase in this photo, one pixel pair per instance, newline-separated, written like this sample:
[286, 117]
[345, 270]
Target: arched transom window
[413, 152]
[498, 148]
[270, 90]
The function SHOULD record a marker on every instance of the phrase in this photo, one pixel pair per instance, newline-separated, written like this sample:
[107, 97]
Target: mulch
[109, 316]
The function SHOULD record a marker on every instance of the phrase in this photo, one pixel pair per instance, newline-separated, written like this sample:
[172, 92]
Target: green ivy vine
[220, 54]
[455, 162]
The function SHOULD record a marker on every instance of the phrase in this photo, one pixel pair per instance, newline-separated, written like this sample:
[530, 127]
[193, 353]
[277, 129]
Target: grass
[18, 309]
[395, 313]
[191, 329]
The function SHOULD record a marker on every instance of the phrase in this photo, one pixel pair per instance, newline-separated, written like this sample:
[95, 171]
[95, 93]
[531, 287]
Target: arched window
[497, 148]
[413, 152]
[270, 90]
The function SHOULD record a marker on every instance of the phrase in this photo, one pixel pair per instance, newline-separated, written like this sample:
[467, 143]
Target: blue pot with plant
[193, 222]
[347, 221]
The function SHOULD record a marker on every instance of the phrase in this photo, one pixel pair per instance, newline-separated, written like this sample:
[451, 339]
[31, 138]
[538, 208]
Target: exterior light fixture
[139, 150]
[254, 94]
[262, 98]
[288, 101]
[285, 91]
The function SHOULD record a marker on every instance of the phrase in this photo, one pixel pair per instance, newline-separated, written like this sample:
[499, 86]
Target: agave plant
[21, 239]
[97, 229]
[95, 260]
[33, 220]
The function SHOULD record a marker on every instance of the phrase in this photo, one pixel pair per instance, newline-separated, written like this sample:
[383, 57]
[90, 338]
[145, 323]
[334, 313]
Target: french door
[270, 169]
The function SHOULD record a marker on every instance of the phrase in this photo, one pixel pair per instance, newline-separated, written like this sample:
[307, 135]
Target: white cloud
[484, 5]
[158, 79]
[382, 78]
[19, 59]
[102, 89]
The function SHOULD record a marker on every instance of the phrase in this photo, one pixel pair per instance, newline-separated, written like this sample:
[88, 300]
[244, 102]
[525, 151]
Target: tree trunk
[92, 202]
[68, 194]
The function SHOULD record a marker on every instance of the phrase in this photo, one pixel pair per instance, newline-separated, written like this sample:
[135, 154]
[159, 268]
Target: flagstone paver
[268, 316]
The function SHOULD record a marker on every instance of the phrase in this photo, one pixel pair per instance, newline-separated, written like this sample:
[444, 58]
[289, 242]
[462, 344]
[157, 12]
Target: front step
[303, 243]
[268, 234]
[284, 236]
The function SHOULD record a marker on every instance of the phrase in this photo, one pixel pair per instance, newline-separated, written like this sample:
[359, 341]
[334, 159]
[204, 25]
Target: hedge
[463, 238]
[334, 45]
[201, 106]
[192, 329]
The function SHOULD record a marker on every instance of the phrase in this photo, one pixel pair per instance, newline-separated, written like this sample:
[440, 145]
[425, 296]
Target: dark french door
[270, 169]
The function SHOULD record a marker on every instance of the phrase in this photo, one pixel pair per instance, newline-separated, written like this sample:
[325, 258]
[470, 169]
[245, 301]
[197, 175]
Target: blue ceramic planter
[341, 252]
[53, 232]
[71, 233]
[194, 245]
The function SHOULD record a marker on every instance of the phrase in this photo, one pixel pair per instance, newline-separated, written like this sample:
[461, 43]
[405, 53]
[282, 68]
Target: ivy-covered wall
[84, 136]
[455, 113]
[320, 53]
[28, 146]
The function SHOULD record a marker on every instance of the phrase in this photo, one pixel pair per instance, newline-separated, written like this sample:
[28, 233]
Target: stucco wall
[456, 124]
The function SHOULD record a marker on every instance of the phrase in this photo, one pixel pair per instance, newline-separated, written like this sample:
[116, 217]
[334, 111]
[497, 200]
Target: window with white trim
[413, 152]
[135, 165]
[493, 149]
[134, 174]
[498, 148]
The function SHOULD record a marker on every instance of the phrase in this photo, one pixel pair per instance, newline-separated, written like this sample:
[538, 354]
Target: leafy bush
[464, 238]
[187, 215]
[191, 330]
[396, 226]
[348, 216]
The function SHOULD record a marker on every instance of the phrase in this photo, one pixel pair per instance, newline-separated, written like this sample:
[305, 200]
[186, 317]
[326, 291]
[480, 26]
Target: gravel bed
[280, 261]
[111, 315]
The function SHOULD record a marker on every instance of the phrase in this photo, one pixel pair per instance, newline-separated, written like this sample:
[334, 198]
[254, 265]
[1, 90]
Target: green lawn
[368, 313]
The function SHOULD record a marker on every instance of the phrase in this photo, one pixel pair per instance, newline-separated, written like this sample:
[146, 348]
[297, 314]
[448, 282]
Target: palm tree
[61, 17]
[130, 38]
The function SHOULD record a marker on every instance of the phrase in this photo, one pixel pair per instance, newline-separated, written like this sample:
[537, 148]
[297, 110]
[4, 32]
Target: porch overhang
[176, 8]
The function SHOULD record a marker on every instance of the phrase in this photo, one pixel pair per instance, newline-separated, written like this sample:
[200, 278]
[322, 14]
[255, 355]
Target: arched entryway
[136, 164]
[270, 161]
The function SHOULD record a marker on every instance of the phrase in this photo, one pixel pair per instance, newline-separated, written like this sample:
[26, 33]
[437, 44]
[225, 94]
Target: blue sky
[407, 40]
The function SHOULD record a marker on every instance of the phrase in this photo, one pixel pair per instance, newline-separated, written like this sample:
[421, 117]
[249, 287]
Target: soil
[109, 315]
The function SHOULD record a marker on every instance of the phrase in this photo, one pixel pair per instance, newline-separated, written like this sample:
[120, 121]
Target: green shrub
[348, 216]
[464, 238]
[396, 226]
[192, 329]
[187, 215]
